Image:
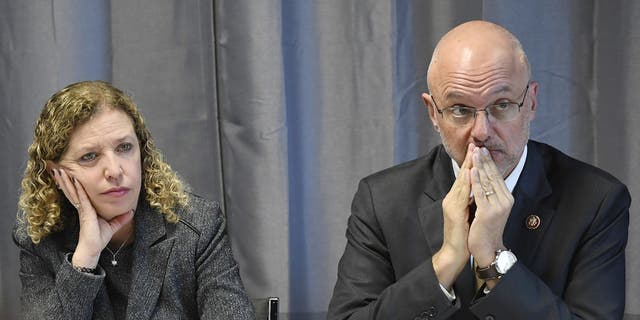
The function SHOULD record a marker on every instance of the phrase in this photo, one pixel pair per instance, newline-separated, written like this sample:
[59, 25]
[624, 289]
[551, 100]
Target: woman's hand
[95, 232]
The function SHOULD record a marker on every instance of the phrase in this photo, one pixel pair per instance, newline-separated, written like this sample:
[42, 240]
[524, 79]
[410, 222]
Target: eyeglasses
[499, 112]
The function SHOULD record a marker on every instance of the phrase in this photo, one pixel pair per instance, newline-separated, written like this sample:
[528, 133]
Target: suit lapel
[152, 250]
[438, 180]
[438, 183]
[530, 192]
[529, 195]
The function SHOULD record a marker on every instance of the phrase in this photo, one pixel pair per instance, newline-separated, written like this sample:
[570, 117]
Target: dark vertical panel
[617, 69]
[300, 52]
[338, 76]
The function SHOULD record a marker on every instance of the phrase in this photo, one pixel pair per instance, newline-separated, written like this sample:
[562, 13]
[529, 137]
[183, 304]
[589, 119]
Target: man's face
[474, 69]
[505, 140]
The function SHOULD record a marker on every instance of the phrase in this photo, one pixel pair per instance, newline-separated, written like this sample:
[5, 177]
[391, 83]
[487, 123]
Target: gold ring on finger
[76, 204]
[488, 193]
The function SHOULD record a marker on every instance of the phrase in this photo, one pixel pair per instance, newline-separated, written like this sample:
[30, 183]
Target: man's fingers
[476, 188]
[461, 185]
[488, 190]
[489, 174]
[489, 165]
[468, 161]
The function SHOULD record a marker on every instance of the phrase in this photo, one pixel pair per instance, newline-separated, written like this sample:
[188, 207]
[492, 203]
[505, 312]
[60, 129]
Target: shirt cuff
[451, 295]
[486, 290]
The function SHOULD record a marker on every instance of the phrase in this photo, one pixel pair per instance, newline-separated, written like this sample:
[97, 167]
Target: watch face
[504, 261]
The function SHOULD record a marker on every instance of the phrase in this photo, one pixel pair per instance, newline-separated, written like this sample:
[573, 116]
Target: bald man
[490, 224]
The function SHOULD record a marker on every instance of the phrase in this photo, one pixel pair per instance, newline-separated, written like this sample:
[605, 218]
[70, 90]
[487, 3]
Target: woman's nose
[112, 168]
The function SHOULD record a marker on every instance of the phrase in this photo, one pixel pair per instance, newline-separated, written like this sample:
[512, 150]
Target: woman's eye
[124, 147]
[89, 156]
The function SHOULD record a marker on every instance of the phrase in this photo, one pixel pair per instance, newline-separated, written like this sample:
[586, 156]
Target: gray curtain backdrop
[277, 108]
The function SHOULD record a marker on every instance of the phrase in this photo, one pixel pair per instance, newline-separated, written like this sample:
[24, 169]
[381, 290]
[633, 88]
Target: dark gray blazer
[180, 271]
[571, 266]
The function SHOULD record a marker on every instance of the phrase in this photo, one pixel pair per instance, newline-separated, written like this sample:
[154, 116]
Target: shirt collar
[512, 179]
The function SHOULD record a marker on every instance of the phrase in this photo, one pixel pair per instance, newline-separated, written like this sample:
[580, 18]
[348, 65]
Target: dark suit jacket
[571, 266]
[180, 271]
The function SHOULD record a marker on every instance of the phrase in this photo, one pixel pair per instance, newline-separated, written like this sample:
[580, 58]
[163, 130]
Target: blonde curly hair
[42, 203]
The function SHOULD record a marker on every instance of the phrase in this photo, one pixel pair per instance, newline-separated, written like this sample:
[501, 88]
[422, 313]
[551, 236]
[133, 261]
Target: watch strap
[489, 272]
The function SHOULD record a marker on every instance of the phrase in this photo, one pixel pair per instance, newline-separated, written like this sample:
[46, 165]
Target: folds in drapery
[278, 107]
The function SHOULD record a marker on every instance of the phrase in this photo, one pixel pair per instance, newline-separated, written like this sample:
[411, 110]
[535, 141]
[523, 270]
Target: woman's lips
[116, 192]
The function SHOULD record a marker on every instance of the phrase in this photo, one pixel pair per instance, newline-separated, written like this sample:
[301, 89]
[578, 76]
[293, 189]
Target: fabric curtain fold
[277, 108]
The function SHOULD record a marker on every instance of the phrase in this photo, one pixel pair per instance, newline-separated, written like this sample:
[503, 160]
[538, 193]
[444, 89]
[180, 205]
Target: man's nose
[481, 130]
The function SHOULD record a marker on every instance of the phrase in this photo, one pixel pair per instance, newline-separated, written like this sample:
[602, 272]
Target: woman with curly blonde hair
[107, 229]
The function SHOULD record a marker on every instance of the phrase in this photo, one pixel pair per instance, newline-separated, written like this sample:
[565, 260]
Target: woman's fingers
[75, 193]
[83, 199]
[66, 184]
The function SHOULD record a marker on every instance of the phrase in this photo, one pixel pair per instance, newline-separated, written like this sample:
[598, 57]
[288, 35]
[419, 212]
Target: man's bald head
[476, 65]
[472, 45]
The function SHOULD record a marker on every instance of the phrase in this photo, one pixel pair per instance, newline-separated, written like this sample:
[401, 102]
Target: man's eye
[89, 156]
[461, 111]
[124, 147]
[501, 106]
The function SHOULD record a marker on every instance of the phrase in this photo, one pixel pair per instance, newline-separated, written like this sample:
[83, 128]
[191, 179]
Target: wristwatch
[505, 259]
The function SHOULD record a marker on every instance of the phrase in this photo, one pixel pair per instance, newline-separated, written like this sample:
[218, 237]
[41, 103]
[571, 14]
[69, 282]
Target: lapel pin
[533, 222]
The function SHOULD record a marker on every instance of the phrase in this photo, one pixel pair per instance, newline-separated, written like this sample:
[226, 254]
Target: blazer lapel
[151, 253]
[529, 195]
[102, 308]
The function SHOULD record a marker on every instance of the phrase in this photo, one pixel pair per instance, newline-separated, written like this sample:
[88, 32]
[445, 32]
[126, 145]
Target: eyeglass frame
[475, 110]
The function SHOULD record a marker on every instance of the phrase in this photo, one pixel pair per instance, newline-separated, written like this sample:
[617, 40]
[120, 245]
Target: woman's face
[104, 156]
